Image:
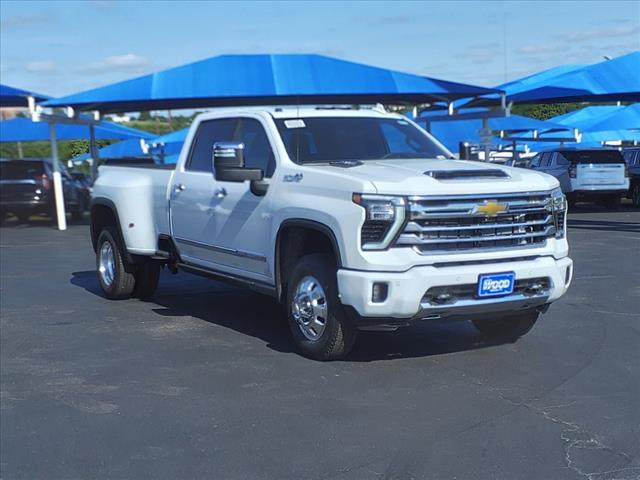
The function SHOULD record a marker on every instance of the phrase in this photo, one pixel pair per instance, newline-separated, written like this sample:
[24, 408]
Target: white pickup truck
[352, 218]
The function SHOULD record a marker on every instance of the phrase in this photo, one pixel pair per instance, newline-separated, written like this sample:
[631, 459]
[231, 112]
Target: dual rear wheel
[120, 280]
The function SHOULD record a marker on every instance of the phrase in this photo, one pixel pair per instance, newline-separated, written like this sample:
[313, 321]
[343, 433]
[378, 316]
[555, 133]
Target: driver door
[217, 225]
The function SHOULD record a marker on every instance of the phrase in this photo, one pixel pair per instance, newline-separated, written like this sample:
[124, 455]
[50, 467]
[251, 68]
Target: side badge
[297, 178]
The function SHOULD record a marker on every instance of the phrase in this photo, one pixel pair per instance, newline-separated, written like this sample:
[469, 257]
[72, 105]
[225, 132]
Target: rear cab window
[21, 169]
[577, 157]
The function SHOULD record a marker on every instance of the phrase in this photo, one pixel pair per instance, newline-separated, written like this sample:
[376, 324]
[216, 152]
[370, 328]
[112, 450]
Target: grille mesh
[455, 224]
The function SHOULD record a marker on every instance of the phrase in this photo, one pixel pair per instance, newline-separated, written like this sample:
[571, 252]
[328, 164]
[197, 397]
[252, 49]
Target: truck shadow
[262, 317]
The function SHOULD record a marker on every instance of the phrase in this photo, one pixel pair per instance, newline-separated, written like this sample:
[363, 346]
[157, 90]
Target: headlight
[559, 209]
[384, 216]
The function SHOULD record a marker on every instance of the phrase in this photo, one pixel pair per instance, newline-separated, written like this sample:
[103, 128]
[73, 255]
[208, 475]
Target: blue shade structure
[232, 80]
[617, 79]
[25, 130]
[16, 97]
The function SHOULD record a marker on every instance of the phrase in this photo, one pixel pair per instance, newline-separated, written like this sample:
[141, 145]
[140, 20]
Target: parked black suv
[632, 157]
[26, 188]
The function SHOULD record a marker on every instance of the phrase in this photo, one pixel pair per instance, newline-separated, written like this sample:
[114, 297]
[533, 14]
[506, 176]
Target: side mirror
[228, 163]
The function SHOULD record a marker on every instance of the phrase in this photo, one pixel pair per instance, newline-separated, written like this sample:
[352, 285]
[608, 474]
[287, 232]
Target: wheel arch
[302, 229]
[104, 213]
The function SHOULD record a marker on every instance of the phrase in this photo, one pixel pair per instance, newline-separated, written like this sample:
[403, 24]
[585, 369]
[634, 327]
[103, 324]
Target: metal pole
[485, 136]
[20, 153]
[93, 150]
[57, 179]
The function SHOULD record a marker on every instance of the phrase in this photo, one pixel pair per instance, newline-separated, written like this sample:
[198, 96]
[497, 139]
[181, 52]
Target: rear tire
[114, 274]
[635, 194]
[77, 213]
[318, 323]
[508, 328]
[23, 217]
[147, 276]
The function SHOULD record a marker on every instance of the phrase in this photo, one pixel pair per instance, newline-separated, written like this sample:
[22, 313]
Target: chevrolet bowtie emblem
[490, 209]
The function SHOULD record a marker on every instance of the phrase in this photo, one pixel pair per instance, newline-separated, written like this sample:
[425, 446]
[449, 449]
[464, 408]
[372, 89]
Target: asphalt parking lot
[202, 382]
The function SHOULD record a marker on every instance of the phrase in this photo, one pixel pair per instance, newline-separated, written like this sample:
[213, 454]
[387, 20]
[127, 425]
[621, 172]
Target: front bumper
[406, 290]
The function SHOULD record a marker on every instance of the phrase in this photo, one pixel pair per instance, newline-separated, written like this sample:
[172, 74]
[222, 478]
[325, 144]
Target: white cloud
[129, 62]
[40, 66]
[609, 32]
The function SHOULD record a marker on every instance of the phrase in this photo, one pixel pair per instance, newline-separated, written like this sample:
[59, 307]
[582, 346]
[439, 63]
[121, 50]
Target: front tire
[508, 328]
[114, 275]
[318, 323]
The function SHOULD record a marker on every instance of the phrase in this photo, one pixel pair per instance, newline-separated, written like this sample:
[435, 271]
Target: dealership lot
[202, 382]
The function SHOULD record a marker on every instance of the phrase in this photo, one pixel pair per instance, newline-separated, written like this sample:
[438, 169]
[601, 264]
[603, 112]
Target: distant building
[120, 118]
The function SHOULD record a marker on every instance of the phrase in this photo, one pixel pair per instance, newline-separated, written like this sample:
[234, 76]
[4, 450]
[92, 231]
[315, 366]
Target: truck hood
[446, 177]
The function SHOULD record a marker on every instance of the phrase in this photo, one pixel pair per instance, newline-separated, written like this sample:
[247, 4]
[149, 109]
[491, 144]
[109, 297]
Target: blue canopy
[25, 130]
[451, 132]
[266, 80]
[586, 116]
[16, 97]
[616, 79]
[178, 136]
[622, 118]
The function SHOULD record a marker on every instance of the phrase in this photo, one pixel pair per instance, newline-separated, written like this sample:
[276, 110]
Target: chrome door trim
[228, 251]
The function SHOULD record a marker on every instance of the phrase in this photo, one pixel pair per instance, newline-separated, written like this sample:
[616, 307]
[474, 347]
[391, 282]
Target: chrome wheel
[107, 264]
[309, 308]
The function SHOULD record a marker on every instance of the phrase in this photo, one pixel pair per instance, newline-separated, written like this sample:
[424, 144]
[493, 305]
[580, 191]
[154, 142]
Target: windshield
[335, 139]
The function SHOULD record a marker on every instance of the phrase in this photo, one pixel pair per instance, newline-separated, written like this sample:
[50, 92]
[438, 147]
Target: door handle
[180, 187]
[220, 193]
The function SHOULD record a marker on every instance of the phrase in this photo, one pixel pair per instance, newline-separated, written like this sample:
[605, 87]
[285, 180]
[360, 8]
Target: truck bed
[141, 195]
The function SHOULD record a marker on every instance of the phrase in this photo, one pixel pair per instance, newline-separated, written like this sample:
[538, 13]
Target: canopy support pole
[20, 153]
[57, 179]
[93, 150]
[485, 138]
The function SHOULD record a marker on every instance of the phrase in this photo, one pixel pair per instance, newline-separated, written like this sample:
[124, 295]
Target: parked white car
[353, 219]
[599, 174]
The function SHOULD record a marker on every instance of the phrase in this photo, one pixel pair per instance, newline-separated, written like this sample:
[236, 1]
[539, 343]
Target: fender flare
[308, 224]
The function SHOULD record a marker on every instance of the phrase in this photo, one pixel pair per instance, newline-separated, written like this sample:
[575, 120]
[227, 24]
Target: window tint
[546, 159]
[334, 139]
[257, 150]
[562, 160]
[535, 161]
[21, 169]
[594, 156]
[209, 132]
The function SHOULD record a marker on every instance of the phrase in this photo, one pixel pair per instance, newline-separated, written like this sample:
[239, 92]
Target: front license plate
[496, 284]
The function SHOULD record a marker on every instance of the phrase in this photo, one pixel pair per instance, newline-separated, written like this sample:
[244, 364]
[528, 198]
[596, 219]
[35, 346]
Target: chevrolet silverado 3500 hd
[353, 219]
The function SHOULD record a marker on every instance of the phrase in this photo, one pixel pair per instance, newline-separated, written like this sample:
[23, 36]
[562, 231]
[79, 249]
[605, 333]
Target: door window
[257, 150]
[535, 161]
[208, 133]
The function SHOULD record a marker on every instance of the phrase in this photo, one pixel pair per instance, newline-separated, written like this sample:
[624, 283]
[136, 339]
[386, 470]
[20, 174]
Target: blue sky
[60, 48]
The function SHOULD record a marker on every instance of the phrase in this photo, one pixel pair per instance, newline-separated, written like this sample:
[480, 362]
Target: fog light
[379, 292]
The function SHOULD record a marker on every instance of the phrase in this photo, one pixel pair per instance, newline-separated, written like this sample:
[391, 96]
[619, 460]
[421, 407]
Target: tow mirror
[228, 163]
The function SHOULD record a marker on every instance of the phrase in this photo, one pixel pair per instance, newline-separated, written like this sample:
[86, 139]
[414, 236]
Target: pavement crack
[577, 439]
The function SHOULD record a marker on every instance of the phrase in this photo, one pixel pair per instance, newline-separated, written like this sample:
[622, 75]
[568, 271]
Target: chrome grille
[446, 224]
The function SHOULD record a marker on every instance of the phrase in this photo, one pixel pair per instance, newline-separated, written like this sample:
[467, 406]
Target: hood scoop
[466, 174]
[346, 163]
